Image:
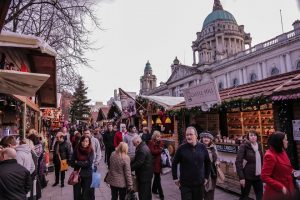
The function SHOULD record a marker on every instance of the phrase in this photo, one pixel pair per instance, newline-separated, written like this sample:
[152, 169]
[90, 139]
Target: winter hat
[206, 134]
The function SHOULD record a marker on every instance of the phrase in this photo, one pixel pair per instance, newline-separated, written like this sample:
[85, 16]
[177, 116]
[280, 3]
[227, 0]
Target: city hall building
[223, 52]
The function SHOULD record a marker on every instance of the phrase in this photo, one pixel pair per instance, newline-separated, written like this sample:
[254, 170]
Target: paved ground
[103, 193]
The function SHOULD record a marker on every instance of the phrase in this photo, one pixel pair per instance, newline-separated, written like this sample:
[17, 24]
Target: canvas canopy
[21, 83]
[165, 101]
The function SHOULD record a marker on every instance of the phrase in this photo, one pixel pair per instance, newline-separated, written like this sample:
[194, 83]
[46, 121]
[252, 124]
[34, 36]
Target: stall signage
[201, 94]
[296, 130]
[227, 148]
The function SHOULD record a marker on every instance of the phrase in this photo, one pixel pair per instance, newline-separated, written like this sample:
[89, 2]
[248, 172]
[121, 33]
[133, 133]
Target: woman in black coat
[249, 175]
[82, 159]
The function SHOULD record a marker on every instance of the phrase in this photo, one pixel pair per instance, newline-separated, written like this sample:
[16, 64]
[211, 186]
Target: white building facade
[223, 52]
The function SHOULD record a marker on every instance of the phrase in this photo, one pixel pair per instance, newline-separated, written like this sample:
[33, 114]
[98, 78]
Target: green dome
[218, 15]
[148, 66]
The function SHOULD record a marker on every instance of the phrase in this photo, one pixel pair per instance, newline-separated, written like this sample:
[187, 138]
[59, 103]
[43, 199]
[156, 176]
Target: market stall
[27, 81]
[153, 112]
[246, 107]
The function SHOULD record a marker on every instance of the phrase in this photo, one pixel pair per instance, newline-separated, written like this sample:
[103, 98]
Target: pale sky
[158, 30]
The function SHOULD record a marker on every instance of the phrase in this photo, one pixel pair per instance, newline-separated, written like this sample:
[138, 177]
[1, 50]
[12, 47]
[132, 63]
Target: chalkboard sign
[227, 148]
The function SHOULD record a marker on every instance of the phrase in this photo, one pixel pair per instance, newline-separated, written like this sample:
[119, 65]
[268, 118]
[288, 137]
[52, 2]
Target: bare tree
[63, 25]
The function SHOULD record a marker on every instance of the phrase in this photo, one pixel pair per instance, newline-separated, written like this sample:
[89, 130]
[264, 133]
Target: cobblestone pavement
[103, 193]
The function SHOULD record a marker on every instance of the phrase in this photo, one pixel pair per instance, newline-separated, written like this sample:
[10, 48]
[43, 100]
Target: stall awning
[166, 101]
[21, 83]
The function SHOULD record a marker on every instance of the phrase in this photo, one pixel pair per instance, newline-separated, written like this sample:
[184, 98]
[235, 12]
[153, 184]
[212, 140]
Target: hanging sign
[202, 94]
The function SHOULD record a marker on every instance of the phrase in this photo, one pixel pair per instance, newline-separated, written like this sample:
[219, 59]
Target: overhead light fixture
[144, 122]
[158, 121]
[168, 120]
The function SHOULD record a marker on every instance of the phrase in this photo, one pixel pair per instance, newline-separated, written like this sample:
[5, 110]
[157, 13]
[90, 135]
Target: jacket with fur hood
[24, 157]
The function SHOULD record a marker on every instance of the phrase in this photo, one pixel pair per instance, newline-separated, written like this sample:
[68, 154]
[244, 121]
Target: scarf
[257, 159]
[83, 153]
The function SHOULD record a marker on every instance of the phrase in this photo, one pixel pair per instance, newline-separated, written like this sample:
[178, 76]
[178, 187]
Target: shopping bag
[64, 165]
[135, 184]
[166, 170]
[131, 196]
[74, 177]
[96, 180]
[165, 158]
[221, 176]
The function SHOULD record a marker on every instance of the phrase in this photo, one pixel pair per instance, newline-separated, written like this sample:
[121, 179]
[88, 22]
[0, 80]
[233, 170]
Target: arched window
[253, 77]
[274, 71]
[221, 86]
[298, 65]
[235, 82]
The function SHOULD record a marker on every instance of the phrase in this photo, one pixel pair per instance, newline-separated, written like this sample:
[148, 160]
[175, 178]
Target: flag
[128, 103]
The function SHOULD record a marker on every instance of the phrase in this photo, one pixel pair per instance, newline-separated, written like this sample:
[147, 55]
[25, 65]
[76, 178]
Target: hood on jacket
[24, 148]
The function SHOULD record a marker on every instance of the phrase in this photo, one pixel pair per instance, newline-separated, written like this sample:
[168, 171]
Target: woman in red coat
[277, 170]
[156, 146]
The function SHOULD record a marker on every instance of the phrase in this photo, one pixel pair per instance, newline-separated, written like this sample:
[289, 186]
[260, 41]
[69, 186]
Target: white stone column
[241, 82]
[245, 75]
[228, 79]
[194, 58]
[230, 47]
[200, 59]
[236, 45]
[259, 72]
[289, 66]
[282, 64]
[225, 81]
[264, 69]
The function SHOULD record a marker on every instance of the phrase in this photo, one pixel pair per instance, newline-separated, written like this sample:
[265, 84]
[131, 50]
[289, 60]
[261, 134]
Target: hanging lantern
[158, 121]
[144, 122]
[168, 121]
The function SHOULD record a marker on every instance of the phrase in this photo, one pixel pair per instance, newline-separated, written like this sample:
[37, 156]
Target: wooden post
[24, 120]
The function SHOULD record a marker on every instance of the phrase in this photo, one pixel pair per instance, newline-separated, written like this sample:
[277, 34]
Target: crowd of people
[134, 162]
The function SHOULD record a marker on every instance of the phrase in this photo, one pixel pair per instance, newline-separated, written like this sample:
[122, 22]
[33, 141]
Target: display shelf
[262, 121]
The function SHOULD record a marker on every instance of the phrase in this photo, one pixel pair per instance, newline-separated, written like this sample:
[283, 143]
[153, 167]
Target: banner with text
[201, 95]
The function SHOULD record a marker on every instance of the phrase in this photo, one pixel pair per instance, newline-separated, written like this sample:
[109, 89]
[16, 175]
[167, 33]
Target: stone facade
[220, 54]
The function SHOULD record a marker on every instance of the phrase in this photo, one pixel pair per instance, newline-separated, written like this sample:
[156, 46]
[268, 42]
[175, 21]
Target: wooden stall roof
[263, 87]
[45, 64]
[4, 6]
[42, 60]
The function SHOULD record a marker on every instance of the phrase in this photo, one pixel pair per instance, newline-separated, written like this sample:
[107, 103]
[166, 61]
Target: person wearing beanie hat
[206, 134]
[209, 189]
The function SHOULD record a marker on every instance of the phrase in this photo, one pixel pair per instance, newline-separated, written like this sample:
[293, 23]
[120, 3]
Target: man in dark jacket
[142, 165]
[194, 166]
[15, 180]
[62, 151]
[108, 140]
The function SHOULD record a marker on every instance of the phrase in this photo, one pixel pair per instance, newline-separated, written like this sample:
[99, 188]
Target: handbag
[63, 165]
[221, 176]
[74, 177]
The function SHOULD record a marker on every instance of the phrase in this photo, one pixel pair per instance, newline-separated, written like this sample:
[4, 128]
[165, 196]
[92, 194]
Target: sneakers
[55, 184]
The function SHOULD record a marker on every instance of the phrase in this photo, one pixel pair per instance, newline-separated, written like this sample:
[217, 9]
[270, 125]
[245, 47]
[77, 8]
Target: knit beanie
[206, 134]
